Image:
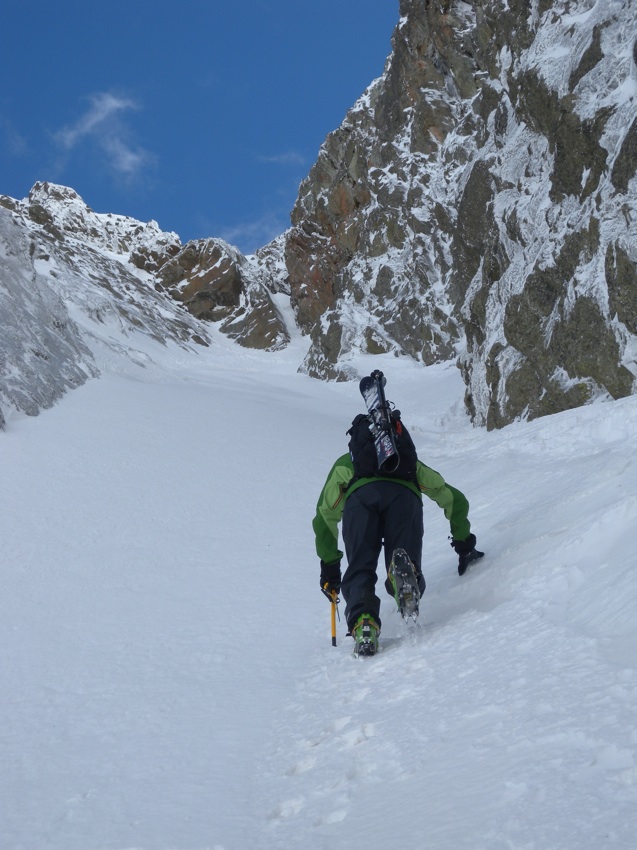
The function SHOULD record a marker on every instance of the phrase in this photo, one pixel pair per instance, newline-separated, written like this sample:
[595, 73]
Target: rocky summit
[478, 203]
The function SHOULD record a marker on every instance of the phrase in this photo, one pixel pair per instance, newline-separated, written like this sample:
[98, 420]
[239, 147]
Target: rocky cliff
[480, 199]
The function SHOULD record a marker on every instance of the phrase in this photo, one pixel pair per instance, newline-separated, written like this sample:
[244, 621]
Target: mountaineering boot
[365, 633]
[404, 584]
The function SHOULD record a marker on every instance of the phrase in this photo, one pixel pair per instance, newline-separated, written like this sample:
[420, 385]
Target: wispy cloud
[287, 158]
[12, 141]
[103, 127]
[248, 236]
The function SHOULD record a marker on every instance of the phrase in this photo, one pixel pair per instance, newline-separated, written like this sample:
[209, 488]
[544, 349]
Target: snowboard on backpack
[373, 392]
[380, 443]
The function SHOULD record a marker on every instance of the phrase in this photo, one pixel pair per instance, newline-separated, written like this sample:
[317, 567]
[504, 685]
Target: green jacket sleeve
[329, 510]
[452, 501]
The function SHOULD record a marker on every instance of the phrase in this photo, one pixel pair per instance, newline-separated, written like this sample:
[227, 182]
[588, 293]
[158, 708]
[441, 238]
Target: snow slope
[168, 676]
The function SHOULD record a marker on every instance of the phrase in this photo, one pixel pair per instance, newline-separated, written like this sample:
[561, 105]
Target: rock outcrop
[479, 199]
[215, 282]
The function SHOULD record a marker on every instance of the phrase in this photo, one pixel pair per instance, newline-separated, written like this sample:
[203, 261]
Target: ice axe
[334, 599]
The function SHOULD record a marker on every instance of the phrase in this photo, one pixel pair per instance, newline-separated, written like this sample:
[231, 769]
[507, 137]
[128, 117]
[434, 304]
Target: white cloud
[287, 158]
[102, 126]
[248, 236]
[13, 141]
[123, 158]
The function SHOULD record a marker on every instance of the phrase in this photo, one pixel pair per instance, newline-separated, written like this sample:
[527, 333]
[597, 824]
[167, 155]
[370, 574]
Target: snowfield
[168, 676]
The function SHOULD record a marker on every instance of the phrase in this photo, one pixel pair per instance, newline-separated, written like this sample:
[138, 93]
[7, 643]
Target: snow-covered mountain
[477, 203]
[77, 286]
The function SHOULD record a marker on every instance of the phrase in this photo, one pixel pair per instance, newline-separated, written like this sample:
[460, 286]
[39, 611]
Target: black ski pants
[376, 515]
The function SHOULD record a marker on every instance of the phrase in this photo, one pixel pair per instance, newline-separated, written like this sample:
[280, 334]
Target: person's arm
[452, 501]
[329, 510]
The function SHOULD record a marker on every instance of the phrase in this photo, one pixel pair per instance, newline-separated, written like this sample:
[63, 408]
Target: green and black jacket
[340, 485]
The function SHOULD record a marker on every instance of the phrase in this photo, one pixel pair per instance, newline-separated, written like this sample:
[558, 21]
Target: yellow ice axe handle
[334, 597]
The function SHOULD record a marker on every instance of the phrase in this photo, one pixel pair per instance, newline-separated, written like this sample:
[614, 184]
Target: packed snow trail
[169, 679]
[508, 718]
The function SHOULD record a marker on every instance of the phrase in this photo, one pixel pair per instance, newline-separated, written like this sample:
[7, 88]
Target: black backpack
[363, 452]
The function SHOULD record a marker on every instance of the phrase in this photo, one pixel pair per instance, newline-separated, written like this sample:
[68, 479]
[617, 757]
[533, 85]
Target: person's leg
[362, 539]
[402, 527]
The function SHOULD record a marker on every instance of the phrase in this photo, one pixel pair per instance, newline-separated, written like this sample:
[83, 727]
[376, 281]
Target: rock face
[480, 199]
[217, 283]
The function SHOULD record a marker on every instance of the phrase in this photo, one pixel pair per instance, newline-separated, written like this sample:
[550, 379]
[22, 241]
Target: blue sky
[200, 114]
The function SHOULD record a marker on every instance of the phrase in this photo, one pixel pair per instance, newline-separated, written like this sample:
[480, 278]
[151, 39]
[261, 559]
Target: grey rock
[478, 202]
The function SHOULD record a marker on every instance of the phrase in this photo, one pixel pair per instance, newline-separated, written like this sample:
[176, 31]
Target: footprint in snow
[301, 767]
[287, 809]
[358, 736]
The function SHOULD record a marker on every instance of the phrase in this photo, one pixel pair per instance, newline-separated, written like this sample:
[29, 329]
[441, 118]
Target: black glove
[330, 578]
[467, 552]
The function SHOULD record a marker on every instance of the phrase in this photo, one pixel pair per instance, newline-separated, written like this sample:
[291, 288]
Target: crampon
[404, 582]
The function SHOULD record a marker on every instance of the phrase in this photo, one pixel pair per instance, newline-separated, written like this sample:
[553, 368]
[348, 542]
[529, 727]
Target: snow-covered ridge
[61, 209]
[81, 291]
[75, 298]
